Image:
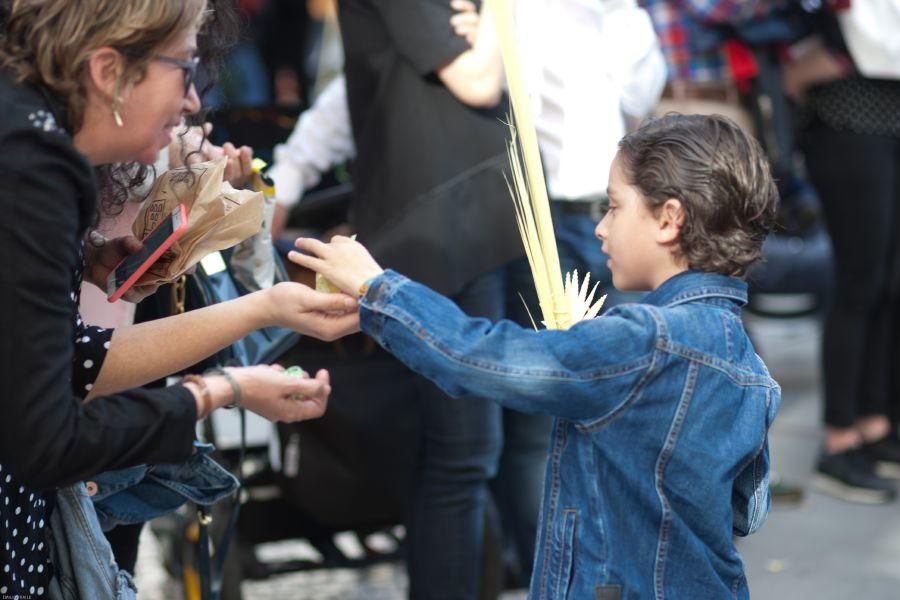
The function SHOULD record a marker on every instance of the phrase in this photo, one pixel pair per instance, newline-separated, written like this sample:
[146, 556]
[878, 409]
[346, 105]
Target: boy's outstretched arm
[584, 373]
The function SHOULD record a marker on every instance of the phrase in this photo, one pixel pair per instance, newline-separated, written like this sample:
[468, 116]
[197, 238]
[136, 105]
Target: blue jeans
[460, 447]
[579, 249]
[520, 483]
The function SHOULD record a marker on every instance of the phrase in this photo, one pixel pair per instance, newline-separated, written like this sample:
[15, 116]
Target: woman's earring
[115, 112]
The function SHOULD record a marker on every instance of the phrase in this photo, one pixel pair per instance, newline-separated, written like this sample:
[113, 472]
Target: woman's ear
[670, 219]
[104, 71]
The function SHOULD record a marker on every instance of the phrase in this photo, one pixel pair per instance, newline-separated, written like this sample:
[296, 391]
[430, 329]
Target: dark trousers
[124, 542]
[460, 446]
[856, 177]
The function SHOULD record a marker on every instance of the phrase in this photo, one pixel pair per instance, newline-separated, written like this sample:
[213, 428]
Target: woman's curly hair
[722, 178]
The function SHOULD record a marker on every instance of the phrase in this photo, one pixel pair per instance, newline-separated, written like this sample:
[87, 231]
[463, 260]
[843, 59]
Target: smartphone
[156, 243]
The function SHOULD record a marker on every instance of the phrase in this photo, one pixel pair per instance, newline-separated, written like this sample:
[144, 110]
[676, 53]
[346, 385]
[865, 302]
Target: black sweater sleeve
[48, 437]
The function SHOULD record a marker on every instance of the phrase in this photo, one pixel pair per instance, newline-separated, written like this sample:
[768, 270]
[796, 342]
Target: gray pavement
[823, 548]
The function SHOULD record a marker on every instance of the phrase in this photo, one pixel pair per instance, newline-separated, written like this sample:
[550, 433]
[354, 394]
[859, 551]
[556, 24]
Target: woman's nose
[192, 102]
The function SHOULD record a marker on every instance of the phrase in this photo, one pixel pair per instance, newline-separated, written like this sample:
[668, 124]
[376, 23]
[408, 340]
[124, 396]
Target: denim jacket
[83, 559]
[659, 451]
[144, 492]
[83, 562]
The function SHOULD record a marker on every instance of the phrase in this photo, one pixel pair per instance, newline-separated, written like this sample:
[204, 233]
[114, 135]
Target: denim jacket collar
[691, 286]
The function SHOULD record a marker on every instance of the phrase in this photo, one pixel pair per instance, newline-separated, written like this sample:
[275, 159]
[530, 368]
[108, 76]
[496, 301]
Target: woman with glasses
[86, 84]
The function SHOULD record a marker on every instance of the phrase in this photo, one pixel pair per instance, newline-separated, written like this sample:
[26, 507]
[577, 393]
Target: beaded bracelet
[205, 394]
[235, 387]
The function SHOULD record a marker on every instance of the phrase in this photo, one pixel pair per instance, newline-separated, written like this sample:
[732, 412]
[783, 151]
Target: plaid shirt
[679, 23]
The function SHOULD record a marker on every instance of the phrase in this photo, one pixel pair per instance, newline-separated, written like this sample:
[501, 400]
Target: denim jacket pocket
[608, 592]
[565, 564]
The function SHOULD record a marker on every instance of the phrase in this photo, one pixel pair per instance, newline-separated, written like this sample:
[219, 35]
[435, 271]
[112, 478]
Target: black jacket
[48, 437]
[429, 195]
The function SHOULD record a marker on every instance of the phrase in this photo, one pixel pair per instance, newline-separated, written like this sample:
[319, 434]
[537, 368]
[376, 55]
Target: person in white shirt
[321, 139]
[591, 67]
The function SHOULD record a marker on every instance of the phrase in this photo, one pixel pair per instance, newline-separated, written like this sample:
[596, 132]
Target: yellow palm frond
[562, 303]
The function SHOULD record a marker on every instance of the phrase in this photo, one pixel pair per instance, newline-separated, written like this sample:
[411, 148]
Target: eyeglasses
[189, 66]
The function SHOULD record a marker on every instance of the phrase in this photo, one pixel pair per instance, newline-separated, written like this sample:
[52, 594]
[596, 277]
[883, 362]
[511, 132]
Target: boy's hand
[344, 262]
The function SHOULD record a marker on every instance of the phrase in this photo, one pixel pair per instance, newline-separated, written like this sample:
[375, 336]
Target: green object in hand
[295, 371]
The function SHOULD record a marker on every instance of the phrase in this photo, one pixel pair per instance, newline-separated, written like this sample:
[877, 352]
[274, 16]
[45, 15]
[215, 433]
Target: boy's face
[633, 238]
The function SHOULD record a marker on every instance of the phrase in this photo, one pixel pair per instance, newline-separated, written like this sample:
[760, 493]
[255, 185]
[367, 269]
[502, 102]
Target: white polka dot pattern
[24, 556]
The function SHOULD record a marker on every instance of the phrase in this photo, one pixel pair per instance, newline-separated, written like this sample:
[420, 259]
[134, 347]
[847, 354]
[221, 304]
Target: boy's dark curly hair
[720, 175]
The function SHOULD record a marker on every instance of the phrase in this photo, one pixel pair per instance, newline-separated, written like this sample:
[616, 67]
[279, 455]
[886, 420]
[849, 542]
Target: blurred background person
[430, 200]
[851, 143]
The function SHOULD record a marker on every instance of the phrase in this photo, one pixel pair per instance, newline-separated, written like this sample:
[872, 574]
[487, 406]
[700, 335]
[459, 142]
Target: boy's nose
[600, 230]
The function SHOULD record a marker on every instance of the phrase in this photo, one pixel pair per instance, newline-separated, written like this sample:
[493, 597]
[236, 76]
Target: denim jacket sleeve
[750, 497]
[583, 373]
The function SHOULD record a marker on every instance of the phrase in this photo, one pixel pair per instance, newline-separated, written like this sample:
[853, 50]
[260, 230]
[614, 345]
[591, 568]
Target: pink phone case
[179, 219]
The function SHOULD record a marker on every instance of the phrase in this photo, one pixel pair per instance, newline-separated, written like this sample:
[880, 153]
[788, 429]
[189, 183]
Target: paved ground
[822, 549]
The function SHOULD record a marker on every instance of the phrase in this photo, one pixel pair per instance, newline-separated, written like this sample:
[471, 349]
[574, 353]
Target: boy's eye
[603, 207]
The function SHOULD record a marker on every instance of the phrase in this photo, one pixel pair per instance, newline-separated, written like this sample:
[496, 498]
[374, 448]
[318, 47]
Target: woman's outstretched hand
[344, 262]
[268, 391]
[323, 316]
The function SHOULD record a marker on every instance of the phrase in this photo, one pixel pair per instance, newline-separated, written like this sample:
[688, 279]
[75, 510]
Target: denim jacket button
[91, 488]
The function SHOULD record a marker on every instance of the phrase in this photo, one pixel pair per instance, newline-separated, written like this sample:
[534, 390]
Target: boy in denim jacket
[659, 451]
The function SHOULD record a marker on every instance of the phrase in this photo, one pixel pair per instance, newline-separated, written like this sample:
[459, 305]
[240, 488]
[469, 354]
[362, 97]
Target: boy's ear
[670, 219]
[104, 68]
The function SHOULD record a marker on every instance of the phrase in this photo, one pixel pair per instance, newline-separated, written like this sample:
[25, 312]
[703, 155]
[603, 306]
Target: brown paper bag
[218, 216]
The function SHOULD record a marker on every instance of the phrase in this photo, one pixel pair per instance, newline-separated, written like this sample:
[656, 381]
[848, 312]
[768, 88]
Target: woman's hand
[274, 395]
[344, 262]
[193, 146]
[323, 316]
[101, 256]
